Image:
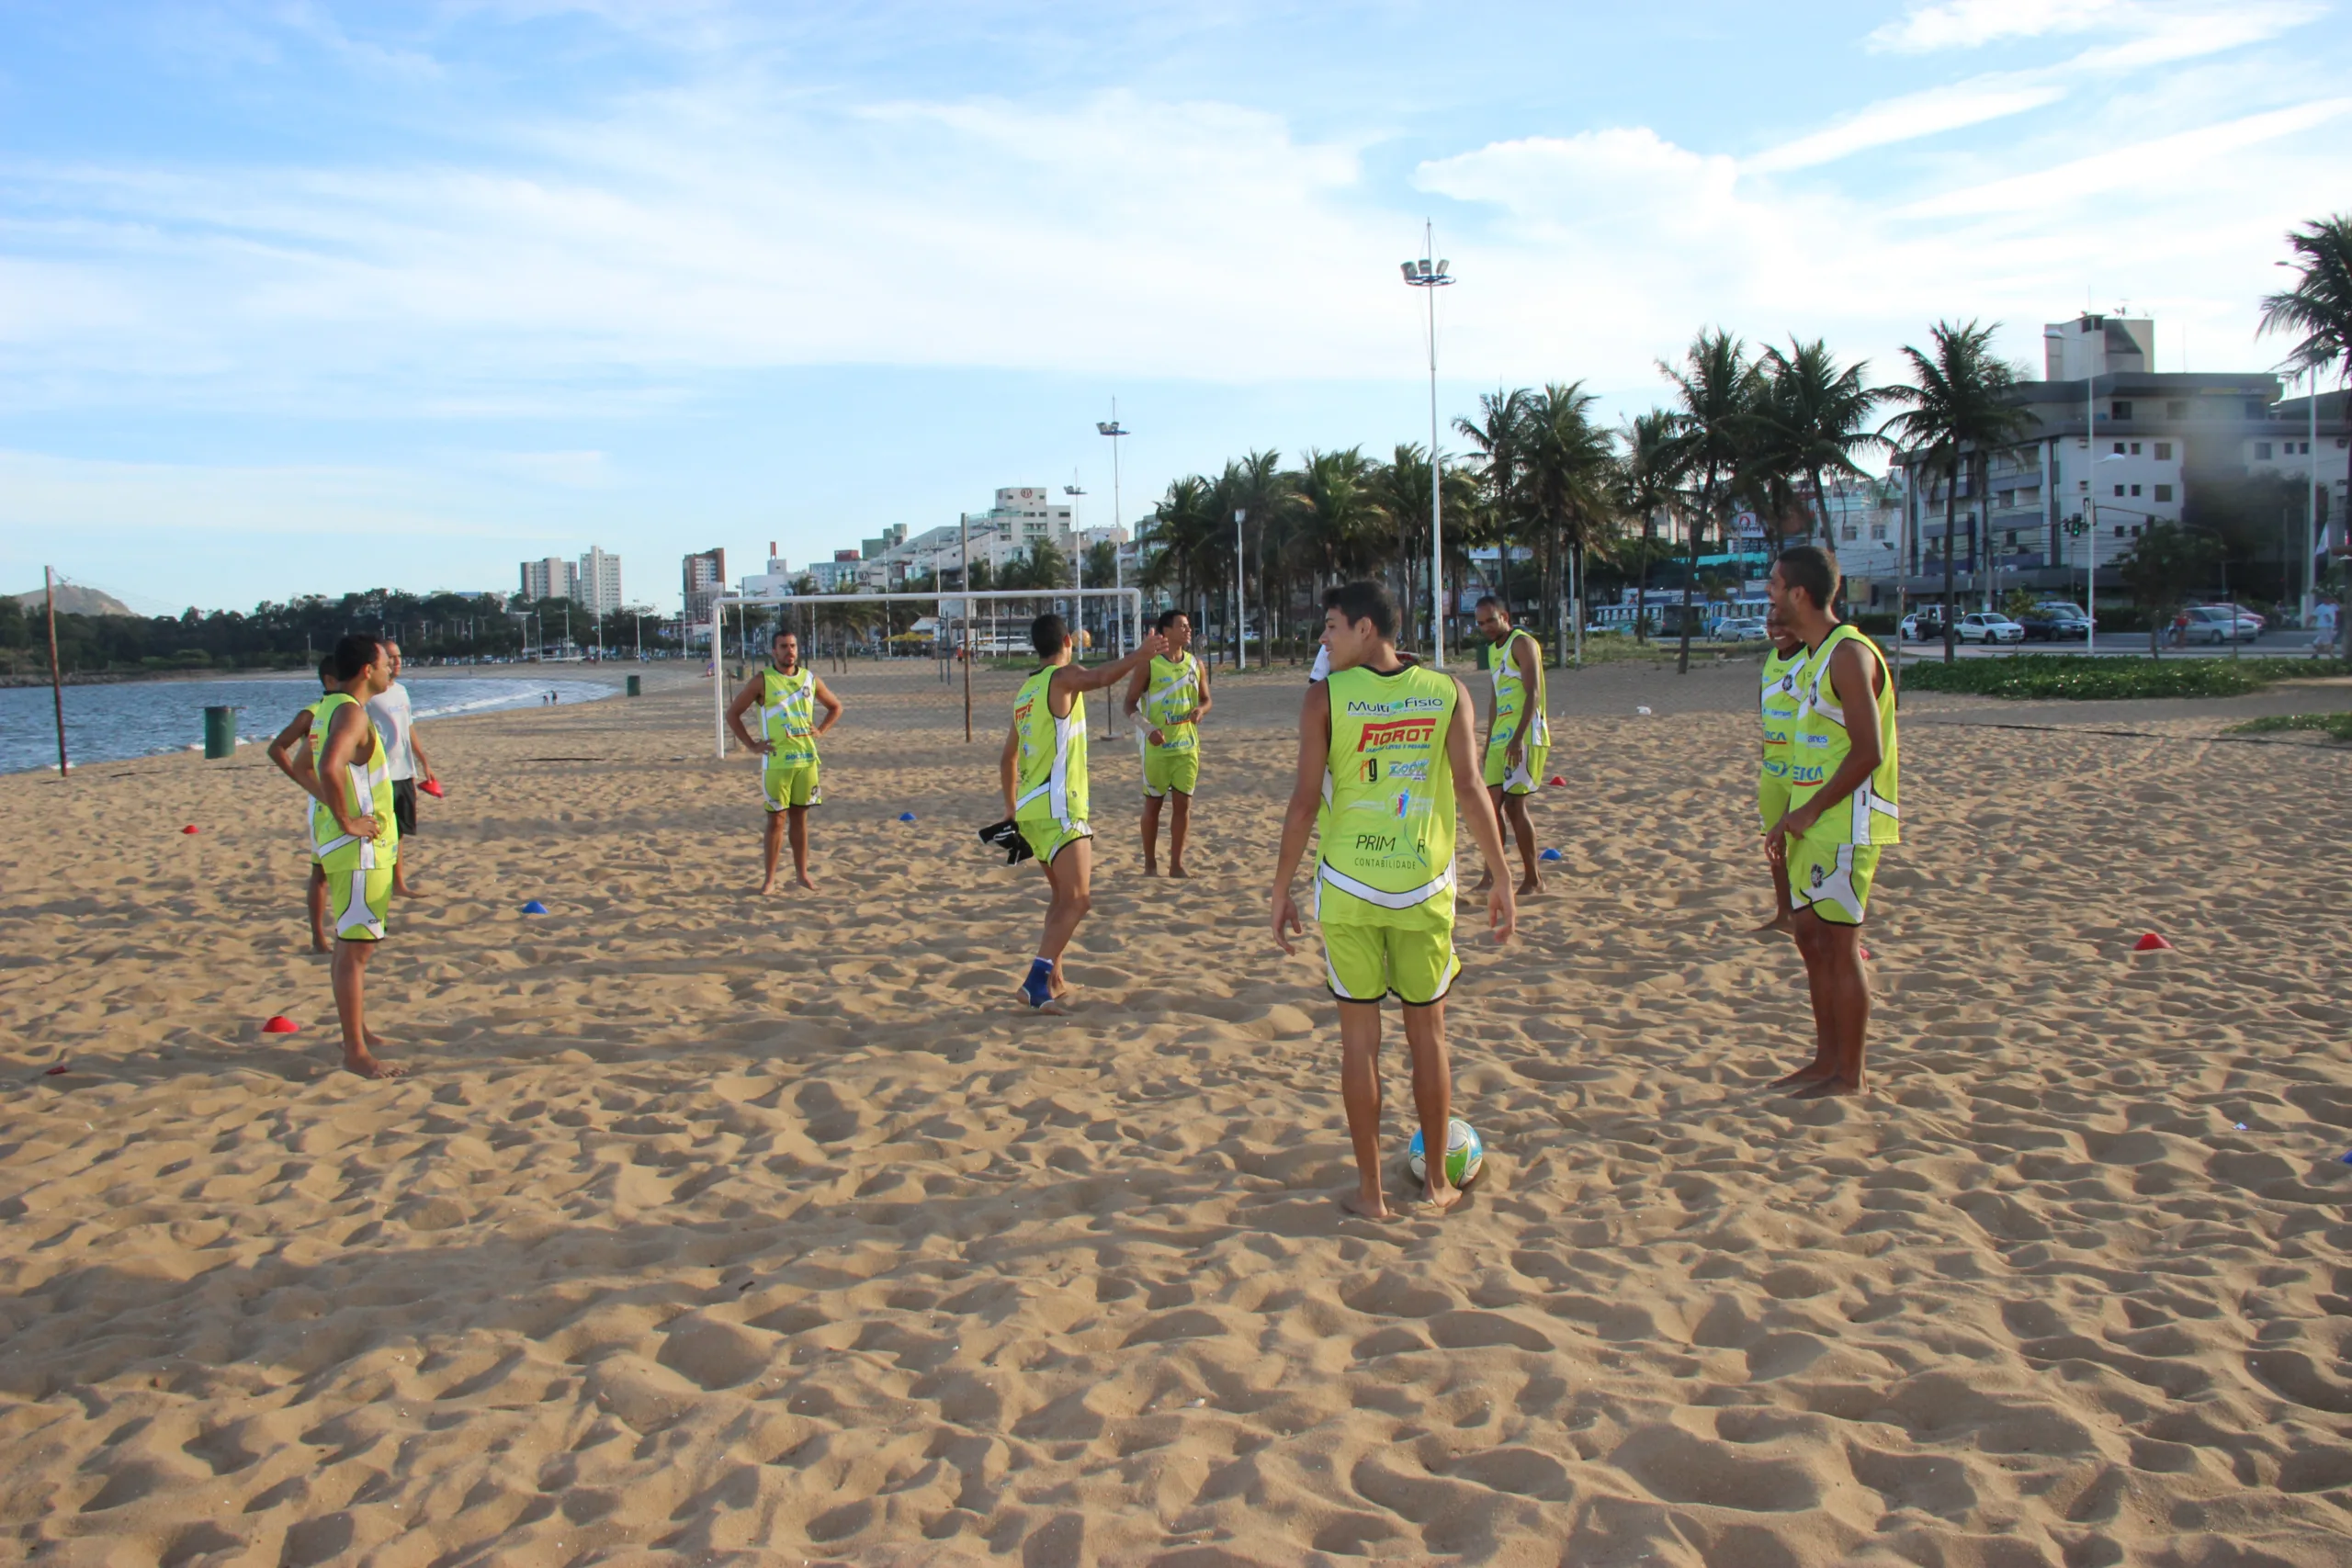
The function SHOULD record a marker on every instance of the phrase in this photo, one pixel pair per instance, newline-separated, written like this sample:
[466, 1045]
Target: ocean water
[141, 718]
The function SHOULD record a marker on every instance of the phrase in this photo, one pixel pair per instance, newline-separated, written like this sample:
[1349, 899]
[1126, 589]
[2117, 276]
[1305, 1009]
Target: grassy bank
[2086, 679]
[2334, 725]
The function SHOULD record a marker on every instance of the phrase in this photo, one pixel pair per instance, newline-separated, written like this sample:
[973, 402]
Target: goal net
[940, 656]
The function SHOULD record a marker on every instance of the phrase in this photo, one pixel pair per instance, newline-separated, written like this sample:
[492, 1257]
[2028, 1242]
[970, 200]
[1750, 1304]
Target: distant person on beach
[356, 836]
[788, 694]
[389, 710]
[1842, 811]
[1172, 693]
[296, 765]
[1042, 769]
[1519, 735]
[1385, 738]
[1783, 672]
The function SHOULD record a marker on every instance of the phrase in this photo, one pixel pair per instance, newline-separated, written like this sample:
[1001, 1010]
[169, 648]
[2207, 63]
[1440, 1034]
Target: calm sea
[139, 718]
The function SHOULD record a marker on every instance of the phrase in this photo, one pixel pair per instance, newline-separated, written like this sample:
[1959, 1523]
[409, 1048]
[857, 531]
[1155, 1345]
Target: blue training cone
[1549, 854]
[906, 816]
[535, 908]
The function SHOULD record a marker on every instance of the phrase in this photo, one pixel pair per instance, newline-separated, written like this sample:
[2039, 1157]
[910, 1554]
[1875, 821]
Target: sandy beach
[713, 1229]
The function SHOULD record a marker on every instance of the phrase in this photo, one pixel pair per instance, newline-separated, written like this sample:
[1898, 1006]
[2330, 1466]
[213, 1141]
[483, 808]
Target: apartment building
[703, 580]
[551, 577]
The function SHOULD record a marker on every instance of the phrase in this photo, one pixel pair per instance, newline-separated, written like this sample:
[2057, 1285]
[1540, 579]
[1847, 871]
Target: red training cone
[53, 1072]
[1556, 782]
[2152, 942]
[190, 829]
[281, 1024]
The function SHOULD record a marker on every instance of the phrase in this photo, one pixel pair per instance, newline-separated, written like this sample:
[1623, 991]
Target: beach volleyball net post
[980, 627]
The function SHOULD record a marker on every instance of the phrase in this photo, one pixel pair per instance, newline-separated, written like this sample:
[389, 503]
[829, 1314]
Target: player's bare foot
[1812, 1072]
[1436, 1198]
[407, 890]
[767, 887]
[1533, 884]
[1176, 868]
[366, 1067]
[375, 1041]
[318, 946]
[1778, 925]
[1374, 1207]
[1836, 1086]
[1485, 880]
[802, 878]
[1151, 868]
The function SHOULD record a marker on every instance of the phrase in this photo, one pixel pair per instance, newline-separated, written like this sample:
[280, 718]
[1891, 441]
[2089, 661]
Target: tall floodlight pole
[964, 539]
[1429, 277]
[1078, 545]
[2090, 513]
[1114, 429]
[1240, 596]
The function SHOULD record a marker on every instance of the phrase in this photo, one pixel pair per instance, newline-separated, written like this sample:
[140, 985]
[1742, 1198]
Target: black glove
[1007, 836]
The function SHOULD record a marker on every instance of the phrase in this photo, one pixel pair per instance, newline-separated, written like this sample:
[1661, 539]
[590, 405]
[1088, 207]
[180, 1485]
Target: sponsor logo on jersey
[1803, 774]
[1376, 843]
[1399, 733]
[1358, 709]
[1417, 772]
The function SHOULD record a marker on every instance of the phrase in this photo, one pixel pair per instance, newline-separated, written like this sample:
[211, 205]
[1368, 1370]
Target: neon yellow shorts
[1364, 963]
[1832, 879]
[1521, 780]
[1048, 837]
[1772, 796]
[1168, 767]
[358, 896]
[790, 784]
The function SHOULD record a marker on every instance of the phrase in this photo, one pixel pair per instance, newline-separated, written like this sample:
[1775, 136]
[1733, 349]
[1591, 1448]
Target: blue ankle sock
[1039, 987]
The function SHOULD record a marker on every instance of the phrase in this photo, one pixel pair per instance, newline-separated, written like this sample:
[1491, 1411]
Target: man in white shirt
[389, 710]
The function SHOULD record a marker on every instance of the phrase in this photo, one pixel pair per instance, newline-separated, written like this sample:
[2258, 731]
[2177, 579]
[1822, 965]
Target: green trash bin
[637, 685]
[219, 732]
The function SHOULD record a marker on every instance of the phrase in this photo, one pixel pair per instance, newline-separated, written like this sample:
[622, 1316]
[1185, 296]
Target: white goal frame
[1131, 598]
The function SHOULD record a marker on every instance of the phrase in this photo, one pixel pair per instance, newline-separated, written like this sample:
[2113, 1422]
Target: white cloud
[1967, 24]
[1914, 114]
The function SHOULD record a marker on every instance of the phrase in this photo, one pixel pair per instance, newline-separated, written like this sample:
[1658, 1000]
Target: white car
[2218, 624]
[1738, 628]
[1989, 626]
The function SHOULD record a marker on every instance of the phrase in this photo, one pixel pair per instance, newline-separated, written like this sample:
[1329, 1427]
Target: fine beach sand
[715, 1230]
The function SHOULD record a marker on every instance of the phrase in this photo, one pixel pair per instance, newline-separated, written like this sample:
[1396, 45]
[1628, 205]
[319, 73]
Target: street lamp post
[1429, 277]
[1240, 596]
[1114, 429]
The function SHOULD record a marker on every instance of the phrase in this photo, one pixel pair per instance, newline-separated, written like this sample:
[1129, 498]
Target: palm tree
[1649, 481]
[1184, 530]
[1402, 488]
[2320, 308]
[1343, 529]
[1718, 386]
[1566, 465]
[1960, 412]
[1498, 434]
[1818, 414]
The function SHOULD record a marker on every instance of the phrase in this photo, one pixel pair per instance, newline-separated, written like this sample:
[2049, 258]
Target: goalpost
[1126, 630]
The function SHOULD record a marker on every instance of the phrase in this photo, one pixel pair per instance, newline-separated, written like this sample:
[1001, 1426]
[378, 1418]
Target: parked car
[1737, 628]
[2261, 623]
[2218, 624]
[2056, 621]
[1923, 626]
[1989, 626]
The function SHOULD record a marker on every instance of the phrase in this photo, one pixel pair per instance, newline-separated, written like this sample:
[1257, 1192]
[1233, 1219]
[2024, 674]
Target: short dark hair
[1364, 601]
[1047, 635]
[1487, 601]
[327, 676]
[1813, 569]
[1168, 618]
[778, 635]
[353, 654]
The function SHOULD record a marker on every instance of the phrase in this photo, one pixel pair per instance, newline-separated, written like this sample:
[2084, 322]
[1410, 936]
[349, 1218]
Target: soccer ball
[1464, 1153]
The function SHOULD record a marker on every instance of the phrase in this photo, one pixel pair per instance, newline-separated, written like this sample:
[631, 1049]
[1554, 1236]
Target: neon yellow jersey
[1173, 687]
[1049, 781]
[367, 792]
[1869, 816]
[1511, 706]
[788, 715]
[1782, 687]
[1386, 851]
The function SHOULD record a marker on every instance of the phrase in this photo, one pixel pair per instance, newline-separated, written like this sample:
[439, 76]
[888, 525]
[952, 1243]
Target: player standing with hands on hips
[788, 694]
[1172, 694]
[1385, 739]
[1842, 809]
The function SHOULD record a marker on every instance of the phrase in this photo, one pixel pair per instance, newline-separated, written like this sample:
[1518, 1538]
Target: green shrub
[2083, 679]
[2334, 725]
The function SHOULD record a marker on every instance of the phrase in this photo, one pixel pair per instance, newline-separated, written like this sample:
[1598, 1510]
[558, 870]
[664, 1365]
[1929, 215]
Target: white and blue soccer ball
[1464, 1153]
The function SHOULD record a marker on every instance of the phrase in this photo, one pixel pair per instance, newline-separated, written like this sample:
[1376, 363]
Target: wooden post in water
[56, 681]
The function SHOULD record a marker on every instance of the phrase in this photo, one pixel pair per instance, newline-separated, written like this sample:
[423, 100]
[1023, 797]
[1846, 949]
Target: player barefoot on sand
[1842, 785]
[355, 835]
[1519, 733]
[1044, 772]
[1172, 694]
[1386, 738]
[1783, 674]
[788, 694]
[293, 760]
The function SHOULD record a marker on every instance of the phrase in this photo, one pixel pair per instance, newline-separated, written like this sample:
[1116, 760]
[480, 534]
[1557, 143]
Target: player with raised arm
[1842, 810]
[1519, 733]
[1383, 738]
[788, 694]
[1042, 769]
[1171, 695]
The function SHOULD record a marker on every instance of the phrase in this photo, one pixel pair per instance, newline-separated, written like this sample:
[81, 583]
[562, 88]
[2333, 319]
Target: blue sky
[311, 298]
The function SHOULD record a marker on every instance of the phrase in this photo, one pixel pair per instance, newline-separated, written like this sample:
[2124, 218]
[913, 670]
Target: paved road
[2133, 644]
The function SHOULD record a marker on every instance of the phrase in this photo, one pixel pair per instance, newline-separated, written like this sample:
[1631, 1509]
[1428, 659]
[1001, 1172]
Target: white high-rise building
[597, 585]
[554, 578]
